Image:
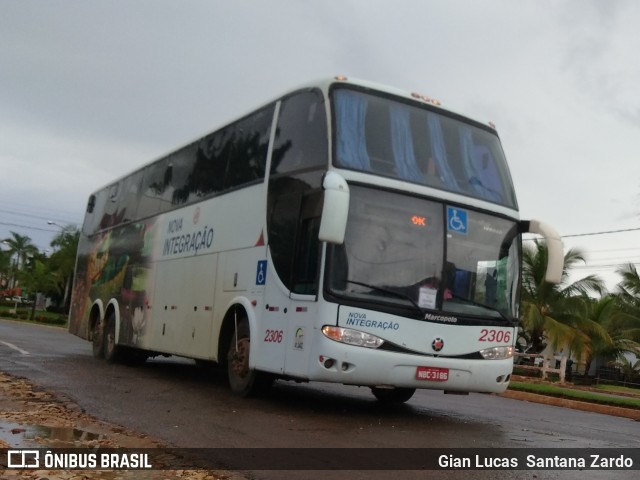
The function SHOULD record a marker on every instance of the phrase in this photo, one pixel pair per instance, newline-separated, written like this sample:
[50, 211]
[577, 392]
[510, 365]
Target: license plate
[432, 373]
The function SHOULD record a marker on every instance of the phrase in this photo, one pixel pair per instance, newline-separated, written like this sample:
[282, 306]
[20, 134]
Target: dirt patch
[31, 417]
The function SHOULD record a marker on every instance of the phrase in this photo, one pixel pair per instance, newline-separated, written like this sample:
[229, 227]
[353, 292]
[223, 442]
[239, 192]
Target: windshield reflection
[394, 255]
[414, 143]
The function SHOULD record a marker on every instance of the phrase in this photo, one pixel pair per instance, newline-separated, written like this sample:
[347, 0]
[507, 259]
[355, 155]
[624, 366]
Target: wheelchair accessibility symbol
[261, 272]
[457, 220]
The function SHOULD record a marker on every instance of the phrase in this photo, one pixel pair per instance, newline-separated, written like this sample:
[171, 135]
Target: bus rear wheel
[244, 381]
[393, 395]
[97, 342]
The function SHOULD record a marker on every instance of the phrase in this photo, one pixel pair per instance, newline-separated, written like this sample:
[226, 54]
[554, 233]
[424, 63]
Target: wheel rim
[97, 340]
[111, 334]
[239, 358]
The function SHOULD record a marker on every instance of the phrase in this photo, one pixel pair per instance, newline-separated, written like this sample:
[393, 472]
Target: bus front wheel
[244, 381]
[393, 395]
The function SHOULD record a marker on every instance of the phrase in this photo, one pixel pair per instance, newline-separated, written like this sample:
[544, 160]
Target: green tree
[630, 369]
[558, 314]
[20, 247]
[37, 276]
[5, 266]
[606, 343]
[628, 293]
[625, 325]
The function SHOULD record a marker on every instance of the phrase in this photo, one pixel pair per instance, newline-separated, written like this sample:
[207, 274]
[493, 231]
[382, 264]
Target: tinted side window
[110, 213]
[307, 253]
[228, 158]
[293, 221]
[301, 136]
[129, 197]
[285, 201]
[93, 217]
[209, 170]
[247, 145]
[182, 165]
[156, 191]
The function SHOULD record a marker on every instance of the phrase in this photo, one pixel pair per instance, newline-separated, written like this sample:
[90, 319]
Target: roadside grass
[617, 389]
[581, 395]
[24, 314]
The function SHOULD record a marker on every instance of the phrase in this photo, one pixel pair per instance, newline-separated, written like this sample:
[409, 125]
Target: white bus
[345, 233]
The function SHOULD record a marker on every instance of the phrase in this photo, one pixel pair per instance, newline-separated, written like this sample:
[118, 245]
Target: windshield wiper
[478, 304]
[392, 292]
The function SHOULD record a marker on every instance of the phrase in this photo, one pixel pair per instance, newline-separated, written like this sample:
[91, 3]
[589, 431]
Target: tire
[112, 352]
[393, 395]
[132, 357]
[242, 380]
[97, 341]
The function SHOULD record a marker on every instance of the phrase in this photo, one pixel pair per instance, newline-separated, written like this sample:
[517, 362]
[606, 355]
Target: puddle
[18, 436]
[21, 436]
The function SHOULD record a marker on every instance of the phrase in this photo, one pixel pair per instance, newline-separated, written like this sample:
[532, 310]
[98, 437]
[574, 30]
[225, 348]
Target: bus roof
[324, 84]
[415, 95]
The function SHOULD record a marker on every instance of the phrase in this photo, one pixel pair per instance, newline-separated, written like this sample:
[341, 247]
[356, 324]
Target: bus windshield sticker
[457, 220]
[261, 272]
[427, 298]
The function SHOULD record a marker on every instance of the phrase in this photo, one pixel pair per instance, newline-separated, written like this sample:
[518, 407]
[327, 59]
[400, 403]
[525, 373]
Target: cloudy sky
[90, 90]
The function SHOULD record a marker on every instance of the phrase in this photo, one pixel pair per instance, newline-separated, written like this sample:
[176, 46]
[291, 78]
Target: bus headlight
[497, 353]
[352, 337]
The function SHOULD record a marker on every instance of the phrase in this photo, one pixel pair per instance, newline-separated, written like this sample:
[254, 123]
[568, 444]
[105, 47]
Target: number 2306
[500, 336]
[273, 336]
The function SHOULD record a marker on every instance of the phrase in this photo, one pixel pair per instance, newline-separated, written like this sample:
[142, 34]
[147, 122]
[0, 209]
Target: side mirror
[555, 249]
[335, 208]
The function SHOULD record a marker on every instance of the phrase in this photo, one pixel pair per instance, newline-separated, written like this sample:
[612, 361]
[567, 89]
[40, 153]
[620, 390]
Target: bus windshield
[420, 145]
[394, 255]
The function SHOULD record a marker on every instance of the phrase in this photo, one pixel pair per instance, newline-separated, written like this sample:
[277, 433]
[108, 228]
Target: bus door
[304, 290]
[292, 288]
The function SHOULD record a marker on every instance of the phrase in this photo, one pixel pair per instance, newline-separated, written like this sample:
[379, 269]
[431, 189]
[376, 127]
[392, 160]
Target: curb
[573, 404]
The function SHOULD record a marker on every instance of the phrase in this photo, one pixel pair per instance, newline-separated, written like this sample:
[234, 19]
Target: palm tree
[624, 327]
[4, 268]
[630, 369]
[21, 247]
[63, 260]
[607, 313]
[557, 314]
[629, 294]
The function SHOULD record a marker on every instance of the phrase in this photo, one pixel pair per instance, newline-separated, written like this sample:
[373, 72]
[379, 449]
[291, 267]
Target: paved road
[173, 400]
